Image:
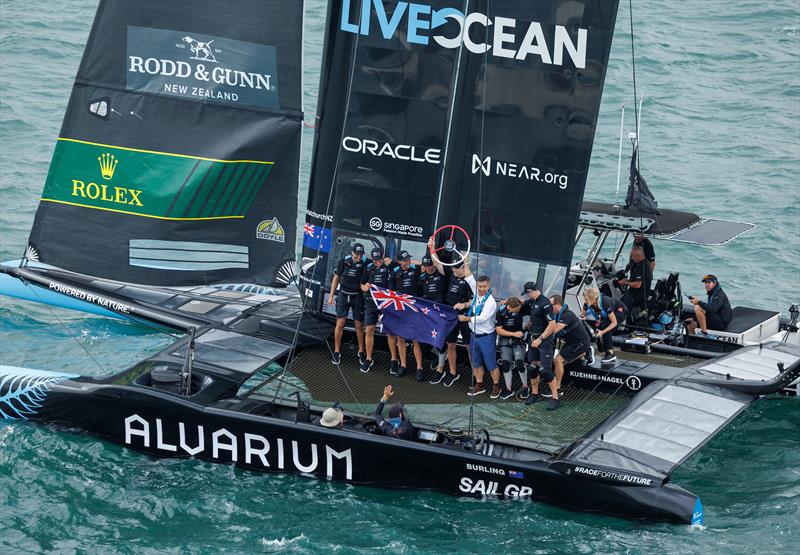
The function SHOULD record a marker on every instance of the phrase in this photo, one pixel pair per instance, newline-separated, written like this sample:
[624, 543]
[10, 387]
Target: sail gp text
[490, 487]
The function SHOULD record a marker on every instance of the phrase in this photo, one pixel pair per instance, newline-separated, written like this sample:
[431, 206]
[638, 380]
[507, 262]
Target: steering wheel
[451, 243]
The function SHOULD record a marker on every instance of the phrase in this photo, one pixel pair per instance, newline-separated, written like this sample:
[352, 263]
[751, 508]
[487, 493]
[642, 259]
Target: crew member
[638, 282]
[375, 273]
[481, 318]
[647, 248]
[405, 279]
[576, 343]
[508, 326]
[715, 312]
[398, 424]
[348, 276]
[540, 355]
[433, 285]
[458, 296]
[604, 314]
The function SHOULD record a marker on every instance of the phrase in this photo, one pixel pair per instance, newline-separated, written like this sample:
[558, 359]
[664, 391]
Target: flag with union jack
[414, 318]
[317, 237]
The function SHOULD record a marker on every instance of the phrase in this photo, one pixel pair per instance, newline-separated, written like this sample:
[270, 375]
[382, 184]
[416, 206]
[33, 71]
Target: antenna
[619, 160]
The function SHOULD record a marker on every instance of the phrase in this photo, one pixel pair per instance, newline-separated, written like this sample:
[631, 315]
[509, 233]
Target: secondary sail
[177, 162]
[478, 113]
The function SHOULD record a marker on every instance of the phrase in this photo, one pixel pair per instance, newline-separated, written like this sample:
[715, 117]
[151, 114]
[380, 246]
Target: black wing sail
[523, 132]
[475, 113]
[177, 162]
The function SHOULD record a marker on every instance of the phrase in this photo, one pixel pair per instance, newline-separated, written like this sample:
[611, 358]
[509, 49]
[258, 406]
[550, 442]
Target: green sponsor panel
[152, 184]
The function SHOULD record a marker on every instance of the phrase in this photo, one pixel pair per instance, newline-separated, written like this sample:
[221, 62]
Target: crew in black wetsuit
[715, 312]
[405, 279]
[508, 326]
[540, 355]
[397, 425]
[458, 295]
[576, 342]
[348, 276]
[433, 286]
[375, 273]
[638, 282]
[648, 249]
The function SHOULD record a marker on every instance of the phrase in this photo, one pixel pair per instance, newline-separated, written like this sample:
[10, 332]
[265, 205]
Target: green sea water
[720, 136]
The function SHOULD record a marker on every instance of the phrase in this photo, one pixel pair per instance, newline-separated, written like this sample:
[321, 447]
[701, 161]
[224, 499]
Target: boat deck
[320, 382]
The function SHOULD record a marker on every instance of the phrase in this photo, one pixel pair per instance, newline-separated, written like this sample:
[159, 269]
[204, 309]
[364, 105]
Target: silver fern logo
[22, 390]
[31, 253]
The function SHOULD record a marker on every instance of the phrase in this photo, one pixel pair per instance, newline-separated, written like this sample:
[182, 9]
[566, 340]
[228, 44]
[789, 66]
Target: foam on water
[719, 136]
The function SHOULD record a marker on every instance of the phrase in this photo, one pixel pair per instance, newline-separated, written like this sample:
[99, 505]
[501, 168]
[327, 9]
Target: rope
[66, 329]
[480, 209]
[293, 348]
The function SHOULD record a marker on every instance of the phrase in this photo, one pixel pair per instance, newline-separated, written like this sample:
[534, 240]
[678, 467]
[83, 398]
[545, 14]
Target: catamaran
[172, 199]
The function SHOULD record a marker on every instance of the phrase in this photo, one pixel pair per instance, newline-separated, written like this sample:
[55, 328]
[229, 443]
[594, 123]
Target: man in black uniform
[715, 312]
[638, 282]
[348, 275]
[397, 425]
[433, 285]
[458, 296]
[575, 343]
[508, 326]
[647, 248]
[375, 273]
[405, 279]
[540, 355]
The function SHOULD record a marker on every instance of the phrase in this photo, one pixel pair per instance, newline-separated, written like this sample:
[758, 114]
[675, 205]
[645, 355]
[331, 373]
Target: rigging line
[635, 95]
[480, 208]
[293, 347]
[81, 345]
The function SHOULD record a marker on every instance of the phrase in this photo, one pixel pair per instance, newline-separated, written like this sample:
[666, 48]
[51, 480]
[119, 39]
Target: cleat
[401, 372]
[506, 394]
[336, 358]
[523, 394]
[553, 404]
[450, 379]
[533, 398]
[420, 375]
[437, 378]
[496, 390]
[393, 366]
[362, 357]
[476, 389]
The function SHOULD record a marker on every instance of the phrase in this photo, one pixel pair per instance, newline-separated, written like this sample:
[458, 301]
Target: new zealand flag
[317, 237]
[413, 317]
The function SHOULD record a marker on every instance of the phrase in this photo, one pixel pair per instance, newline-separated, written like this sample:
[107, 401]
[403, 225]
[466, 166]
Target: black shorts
[462, 327]
[572, 351]
[345, 302]
[371, 313]
[543, 354]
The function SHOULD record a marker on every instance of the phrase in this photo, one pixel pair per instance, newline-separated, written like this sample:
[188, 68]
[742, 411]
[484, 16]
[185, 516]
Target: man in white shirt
[482, 347]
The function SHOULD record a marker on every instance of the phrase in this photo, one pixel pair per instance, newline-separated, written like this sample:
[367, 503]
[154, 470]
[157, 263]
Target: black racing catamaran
[172, 199]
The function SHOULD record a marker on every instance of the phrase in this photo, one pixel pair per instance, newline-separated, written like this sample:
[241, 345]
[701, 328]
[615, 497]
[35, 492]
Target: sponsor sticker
[271, 230]
[201, 67]
[406, 230]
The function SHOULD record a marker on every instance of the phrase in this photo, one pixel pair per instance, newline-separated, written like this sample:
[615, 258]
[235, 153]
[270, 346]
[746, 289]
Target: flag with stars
[317, 237]
[414, 318]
